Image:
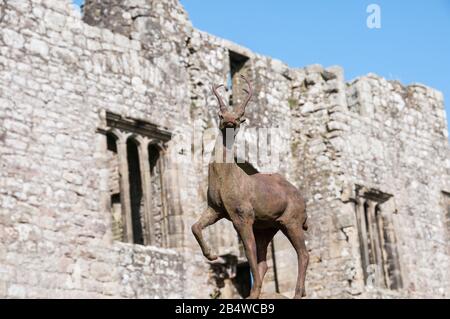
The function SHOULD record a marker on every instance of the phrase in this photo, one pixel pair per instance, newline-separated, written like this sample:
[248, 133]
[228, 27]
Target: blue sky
[413, 44]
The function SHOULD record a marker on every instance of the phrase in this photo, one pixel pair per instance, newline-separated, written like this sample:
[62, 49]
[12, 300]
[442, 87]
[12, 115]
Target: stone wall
[397, 139]
[57, 77]
[382, 135]
[317, 101]
[142, 59]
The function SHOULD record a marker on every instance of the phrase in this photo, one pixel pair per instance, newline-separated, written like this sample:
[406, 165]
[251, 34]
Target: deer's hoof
[300, 295]
[254, 295]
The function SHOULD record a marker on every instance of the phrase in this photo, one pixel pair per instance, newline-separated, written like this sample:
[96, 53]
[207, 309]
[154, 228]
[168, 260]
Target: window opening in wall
[158, 195]
[116, 212]
[379, 254]
[114, 187]
[239, 64]
[136, 195]
[137, 192]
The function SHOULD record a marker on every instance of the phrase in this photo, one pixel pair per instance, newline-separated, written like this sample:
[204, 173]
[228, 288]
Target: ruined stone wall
[317, 102]
[58, 76]
[396, 141]
[381, 135]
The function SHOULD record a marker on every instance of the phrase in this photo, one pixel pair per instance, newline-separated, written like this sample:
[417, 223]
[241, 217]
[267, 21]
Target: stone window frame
[377, 239]
[144, 134]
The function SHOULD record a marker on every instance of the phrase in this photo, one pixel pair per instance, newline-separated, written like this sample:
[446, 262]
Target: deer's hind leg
[209, 217]
[294, 232]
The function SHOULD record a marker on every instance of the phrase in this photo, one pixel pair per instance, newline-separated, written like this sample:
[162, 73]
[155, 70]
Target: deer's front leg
[244, 226]
[209, 217]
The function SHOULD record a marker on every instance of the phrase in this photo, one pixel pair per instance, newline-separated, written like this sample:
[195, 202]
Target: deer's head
[234, 118]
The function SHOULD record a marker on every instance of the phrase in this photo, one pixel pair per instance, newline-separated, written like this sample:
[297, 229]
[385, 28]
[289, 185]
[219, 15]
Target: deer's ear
[220, 115]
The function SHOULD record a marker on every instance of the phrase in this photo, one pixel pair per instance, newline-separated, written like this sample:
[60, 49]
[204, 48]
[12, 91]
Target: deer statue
[258, 205]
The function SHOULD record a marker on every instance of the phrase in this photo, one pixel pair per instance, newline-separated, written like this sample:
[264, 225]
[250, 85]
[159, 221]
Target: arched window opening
[377, 239]
[136, 198]
[114, 187]
[136, 189]
[158, 195]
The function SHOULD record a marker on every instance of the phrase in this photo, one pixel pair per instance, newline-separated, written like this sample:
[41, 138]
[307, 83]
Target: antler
[223, 107]
[241, 108]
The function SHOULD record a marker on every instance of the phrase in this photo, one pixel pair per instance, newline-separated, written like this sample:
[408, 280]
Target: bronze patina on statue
[258, 205]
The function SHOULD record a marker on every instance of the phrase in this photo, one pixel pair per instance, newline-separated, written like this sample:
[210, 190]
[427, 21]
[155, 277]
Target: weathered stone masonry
[79, 95]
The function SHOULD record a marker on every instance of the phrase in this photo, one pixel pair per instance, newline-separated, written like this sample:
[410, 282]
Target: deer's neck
[222, 160]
